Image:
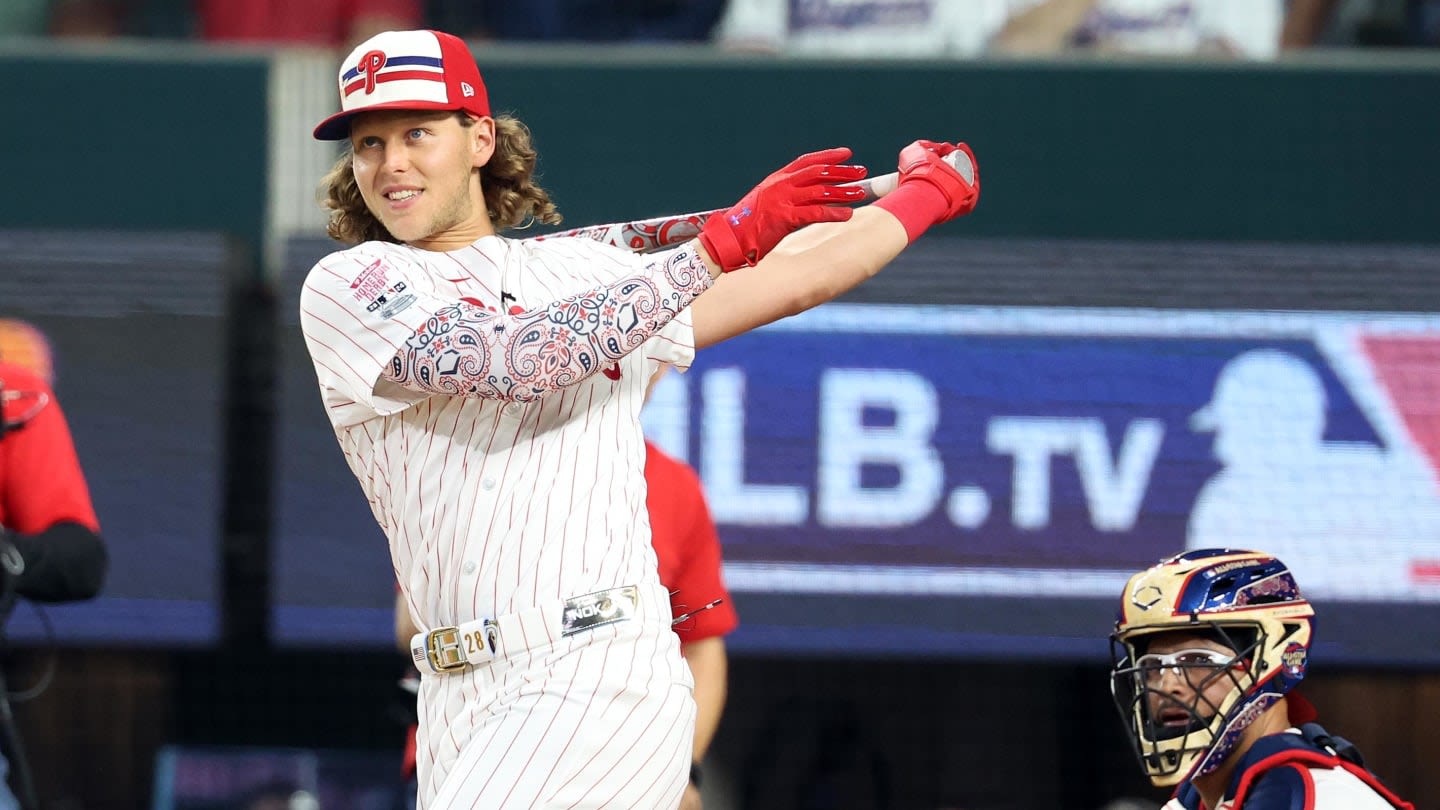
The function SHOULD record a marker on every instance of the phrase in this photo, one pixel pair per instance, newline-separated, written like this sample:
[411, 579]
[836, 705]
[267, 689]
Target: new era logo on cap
[406, 70]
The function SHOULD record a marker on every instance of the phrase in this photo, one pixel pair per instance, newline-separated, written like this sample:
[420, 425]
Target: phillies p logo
[370, 64]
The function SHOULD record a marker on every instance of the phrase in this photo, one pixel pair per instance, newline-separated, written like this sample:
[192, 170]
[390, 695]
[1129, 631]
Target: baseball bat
[645, 235]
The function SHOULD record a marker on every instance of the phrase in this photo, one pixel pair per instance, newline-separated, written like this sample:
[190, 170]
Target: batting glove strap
[722, 245]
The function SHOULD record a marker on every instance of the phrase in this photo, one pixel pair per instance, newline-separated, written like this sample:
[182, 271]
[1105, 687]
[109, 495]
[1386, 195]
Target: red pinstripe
[530, 501]
[479, 480]
[354, 372]
[531, 759]
[515, 599]
[589, 704]
[627, 780]
[676, 727]
[491, 295]
[629, 676]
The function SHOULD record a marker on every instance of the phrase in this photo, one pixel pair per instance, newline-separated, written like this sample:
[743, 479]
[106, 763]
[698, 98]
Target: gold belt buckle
[443, 647]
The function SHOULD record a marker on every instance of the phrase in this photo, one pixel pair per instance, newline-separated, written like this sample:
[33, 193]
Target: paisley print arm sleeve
[464, 350]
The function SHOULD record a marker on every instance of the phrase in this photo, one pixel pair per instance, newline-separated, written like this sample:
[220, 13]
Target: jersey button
[488, 484]
[513, 409]
[469, 567]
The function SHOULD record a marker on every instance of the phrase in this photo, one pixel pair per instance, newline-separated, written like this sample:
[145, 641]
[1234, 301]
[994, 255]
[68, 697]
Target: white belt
[448, 649]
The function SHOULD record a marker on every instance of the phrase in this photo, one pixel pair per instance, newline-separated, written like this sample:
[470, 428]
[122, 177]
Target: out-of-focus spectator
[46, 516]
[24, 345]
[1237, 28]
[50, 546]
[90, 18]
[324, 23]
[1364, 23]
[64, 18]
[874, 28]
[579, 20]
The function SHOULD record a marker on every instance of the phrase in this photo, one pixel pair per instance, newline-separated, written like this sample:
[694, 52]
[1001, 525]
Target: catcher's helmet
[1247, 601]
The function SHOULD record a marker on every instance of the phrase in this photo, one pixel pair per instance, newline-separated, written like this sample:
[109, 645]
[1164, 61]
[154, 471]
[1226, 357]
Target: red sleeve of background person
[40, 479]
[313, 22]
[687, 546]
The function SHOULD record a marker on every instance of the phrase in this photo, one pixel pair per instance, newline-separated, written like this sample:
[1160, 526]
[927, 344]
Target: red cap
[406, 70]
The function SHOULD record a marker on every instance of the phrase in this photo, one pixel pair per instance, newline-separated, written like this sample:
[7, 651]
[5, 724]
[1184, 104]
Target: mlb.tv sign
[1031, 443]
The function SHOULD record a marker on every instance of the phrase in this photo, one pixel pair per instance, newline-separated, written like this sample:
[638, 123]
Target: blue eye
[416, 134]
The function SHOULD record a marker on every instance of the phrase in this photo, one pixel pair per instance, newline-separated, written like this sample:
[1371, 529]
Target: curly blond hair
[511, 195]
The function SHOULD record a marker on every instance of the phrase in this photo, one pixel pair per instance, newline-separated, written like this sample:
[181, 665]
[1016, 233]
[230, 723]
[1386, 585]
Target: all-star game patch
[1293, 661]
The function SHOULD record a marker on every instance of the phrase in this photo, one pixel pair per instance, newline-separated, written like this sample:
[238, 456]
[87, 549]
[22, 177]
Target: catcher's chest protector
[1312, 748]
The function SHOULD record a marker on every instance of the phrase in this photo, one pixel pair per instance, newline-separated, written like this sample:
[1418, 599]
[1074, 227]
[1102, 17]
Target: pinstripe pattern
[601, 719]
[491, 507]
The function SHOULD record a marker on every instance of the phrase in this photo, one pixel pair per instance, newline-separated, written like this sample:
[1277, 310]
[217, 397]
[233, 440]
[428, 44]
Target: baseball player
[486, 394]
[1208, 647]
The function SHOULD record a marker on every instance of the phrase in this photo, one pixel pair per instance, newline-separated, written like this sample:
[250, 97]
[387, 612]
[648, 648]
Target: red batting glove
[932, 191]
[805, 192]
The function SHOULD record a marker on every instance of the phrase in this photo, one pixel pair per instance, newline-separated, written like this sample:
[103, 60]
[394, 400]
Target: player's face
[416, 173]
[1185, 666]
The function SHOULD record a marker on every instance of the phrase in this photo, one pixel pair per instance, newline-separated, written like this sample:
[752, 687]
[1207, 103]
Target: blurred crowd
[1244, 29]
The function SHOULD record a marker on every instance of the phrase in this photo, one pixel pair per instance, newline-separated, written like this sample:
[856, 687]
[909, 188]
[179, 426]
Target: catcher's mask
[1248, 602]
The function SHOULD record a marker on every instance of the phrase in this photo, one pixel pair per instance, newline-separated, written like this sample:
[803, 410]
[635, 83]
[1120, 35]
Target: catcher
[1207, 648]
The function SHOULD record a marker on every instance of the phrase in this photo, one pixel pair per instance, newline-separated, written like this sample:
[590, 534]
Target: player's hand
[691, 799]
[921, 162]
[931, 190]
[805, 192]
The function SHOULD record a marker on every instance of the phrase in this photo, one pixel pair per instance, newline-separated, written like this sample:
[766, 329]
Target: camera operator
[45, 506]
[50, 546]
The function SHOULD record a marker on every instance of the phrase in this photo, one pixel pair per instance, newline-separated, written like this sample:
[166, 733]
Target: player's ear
[482, 140]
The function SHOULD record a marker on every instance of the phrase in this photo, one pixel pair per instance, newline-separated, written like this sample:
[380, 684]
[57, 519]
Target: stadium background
[161, 205]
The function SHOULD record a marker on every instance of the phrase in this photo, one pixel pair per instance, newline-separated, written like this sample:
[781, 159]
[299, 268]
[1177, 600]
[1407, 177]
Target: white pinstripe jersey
[489, 506]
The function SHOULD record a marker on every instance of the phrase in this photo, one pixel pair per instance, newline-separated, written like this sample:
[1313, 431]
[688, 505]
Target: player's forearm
[810, 267]
[841, 258]
[467, 351]
[708, 664]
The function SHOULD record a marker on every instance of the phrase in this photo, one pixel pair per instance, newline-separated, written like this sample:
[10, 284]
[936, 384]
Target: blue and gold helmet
[1246, 602]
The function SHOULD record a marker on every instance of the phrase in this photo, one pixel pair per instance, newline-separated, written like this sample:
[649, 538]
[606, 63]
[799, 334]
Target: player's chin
[406, 229]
